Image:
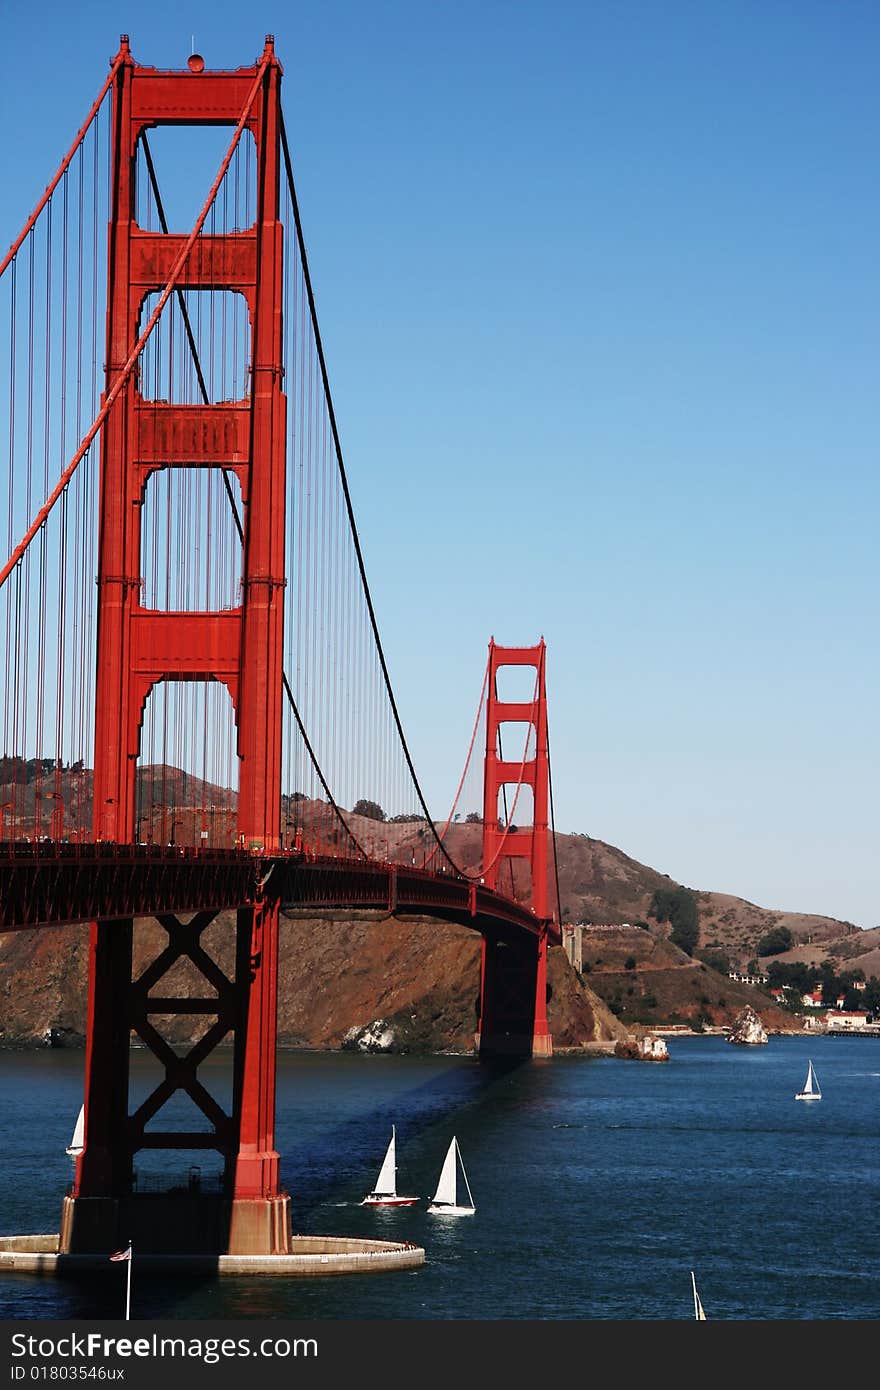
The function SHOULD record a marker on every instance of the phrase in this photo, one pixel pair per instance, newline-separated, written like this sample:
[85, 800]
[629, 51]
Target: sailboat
[811, 1086]
[384, 1194]
[445, 1201]
[699, 1314]
[75, 1147]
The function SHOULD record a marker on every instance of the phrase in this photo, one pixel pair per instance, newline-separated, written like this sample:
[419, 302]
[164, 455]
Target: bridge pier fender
[169, 1223]
[513, 998]
[260, 1226]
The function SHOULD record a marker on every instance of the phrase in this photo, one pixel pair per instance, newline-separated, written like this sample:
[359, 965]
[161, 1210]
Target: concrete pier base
[509, 1044]
[162, 1222]
[308, 1257]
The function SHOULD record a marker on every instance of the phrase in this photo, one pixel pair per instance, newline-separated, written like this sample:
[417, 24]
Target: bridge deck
[53, 884]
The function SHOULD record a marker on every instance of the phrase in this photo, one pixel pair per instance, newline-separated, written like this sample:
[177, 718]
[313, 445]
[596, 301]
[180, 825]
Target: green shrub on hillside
[678, 906]
[716, 960]
[775, 941]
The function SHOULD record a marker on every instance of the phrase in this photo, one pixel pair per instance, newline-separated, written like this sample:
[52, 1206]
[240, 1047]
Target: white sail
[76, 1143]
[445, 1200]
[446, 1186]
[385, 1193]
[699, 1314]
[811, 1089]
[386, 1183]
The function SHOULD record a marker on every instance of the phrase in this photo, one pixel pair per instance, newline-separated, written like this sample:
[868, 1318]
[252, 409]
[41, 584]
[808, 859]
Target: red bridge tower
[513, 976]
[139, 648]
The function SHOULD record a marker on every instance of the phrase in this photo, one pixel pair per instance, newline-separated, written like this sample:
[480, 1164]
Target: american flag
[122, 1254]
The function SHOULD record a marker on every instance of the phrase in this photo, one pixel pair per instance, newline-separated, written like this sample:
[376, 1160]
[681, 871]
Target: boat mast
[464, 1175]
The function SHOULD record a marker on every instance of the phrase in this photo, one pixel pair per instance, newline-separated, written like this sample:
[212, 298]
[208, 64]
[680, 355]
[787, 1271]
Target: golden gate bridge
[198, 715]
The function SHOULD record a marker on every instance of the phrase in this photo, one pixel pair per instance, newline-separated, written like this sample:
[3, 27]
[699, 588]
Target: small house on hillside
[847, 1018]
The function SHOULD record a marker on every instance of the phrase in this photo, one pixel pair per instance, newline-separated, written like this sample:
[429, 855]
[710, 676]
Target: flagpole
[128, 1282]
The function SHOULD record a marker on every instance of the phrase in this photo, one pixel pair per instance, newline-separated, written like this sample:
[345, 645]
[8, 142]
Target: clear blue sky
[599, 294]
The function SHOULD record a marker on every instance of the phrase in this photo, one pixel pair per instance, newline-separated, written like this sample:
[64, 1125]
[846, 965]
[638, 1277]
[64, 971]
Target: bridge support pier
[513, 998]
[246, 1212]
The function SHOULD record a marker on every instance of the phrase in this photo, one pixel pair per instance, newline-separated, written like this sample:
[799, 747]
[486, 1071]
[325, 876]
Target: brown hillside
[599, 883]
[341, 974]
[336, 975]
[736, 926]
[645, 979]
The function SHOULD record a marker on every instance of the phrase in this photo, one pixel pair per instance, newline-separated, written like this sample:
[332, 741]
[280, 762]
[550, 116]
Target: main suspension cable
[307, 279]
[191, 342]
[553, 831]
[64, 165]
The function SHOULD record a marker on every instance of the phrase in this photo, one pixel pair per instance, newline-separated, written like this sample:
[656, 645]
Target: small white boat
[384, 1194]
[446, 1199]
[75, 1147]
[699, 1314]
[811, 1086]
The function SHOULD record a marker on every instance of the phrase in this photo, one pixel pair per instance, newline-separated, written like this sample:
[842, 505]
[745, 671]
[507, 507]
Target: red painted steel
[53, 885]
[137, 647]
[513, 983]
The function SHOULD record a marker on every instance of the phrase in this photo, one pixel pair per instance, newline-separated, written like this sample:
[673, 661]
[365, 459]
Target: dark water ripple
[599, 1185]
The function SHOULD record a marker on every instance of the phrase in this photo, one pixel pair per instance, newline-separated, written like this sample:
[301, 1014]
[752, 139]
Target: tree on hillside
[678, 906]
[871, 996]
[830, 989]
[797, 975]
[371, 809]
[775, 941]
[716, 960]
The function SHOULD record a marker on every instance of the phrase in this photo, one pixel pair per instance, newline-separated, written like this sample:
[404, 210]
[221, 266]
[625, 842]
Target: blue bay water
[599, 1185]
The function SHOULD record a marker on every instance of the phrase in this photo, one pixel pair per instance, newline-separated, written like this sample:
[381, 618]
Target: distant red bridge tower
[513, 976]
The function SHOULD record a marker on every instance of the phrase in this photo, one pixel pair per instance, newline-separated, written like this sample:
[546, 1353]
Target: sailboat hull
[389, 1201]
[807, 1095]
[449, 1209]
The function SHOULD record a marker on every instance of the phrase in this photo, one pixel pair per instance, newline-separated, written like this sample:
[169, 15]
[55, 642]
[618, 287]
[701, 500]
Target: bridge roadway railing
[52, 883]
[49, 883]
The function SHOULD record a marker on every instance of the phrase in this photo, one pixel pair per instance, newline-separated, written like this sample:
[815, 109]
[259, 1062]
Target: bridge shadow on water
[328, 1165]
[337, 1163]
